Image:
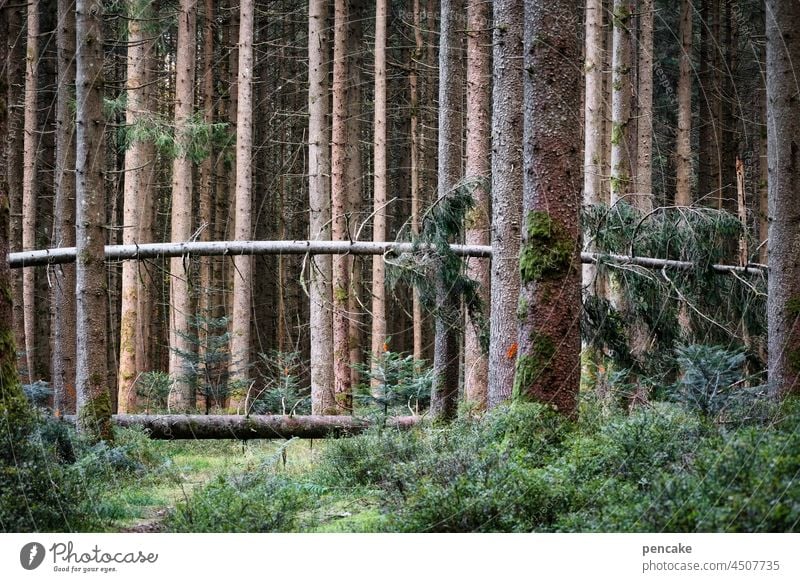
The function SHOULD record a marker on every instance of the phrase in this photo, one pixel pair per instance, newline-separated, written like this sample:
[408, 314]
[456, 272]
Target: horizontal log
[302, 247]
[219, 426]
[224, 248]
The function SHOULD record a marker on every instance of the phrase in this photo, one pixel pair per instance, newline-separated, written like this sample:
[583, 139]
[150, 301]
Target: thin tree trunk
[322, 400]
[621, 103]
[414, 93]
[478, 151]
[506, 196]
[763, 191]
[181, 397]
[30, 153]
[783, 133]
[683, 147]
[379, 192]
[548, 363]
[63, 302]
[341, 350]
[135, 167]
[243, 278]
[709, 154]
[444, 394]
[93, 398]
[644, 93]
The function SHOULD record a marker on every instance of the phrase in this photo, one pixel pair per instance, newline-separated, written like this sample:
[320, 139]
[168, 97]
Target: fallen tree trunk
[218, 426]
[222, 248]
[301, 247]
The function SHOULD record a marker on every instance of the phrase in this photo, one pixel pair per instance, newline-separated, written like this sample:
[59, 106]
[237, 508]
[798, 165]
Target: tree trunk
[644, 94]
[594, 105]
[621, 103]
[341, 350]
[478, 151]
[709, 186]
[243, 278]
[93, 398]
[30, 153]
[444, 393]
[414, 130]
[63, 301]
[683, 145]
[136, 166]
[379, 193]
[783, 133]
[322, 400]
[196, 426]
[506, 196]
[548, 362]
[181, 397]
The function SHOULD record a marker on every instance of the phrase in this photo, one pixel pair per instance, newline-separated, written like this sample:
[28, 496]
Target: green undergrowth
[662, 467]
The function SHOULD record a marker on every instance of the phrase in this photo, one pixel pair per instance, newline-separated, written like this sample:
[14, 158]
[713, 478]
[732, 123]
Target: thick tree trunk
[478, 152]
[341, 286]
[506, 196]
[322, 400]
[242, 282]
[548, 362]
[181, 397]
[29, 163]
[63, 299]
[136, 165]
[379, 192]
[783, 133]
[644, 99]
[621, 103]
[444, 394]
[93, 398]
[683, 146]
[197, 426]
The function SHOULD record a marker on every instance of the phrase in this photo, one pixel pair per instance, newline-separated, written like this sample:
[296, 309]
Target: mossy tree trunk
[444, 395]
[548, 361]
[783, 133]
[621, 152]
[506, 196]
[63, 299]
[93, 399]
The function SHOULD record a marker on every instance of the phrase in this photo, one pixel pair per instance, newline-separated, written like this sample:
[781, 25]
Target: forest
[399, 266]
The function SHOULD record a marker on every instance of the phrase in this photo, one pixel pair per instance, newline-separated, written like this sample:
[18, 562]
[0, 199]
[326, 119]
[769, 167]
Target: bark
[243, 278]
[709, 171]
[136, 166]
[415, 150]
[594, 104]
[644, 93]
[15, 75]
[683, 147]
[205, 187]
[63, 301]
[322, 401]
[341, 350]
[29, 163]
[181, 396]
[548, 361]
[506, 196]
[196, 426]
[379, 193]
[93, 399]
[444, 393]
[478, 153]
[621, 103]
[783, 133]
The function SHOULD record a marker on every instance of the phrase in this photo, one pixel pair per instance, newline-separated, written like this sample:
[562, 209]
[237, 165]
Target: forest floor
[141, 504]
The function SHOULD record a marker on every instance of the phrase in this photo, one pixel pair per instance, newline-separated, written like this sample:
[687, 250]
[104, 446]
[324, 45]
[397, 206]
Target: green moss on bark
[94, 418]
[548, 251]
[531, 365]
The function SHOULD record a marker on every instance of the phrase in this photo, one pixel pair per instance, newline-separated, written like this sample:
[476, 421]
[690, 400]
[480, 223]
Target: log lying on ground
[301, 247]
[218, 426]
